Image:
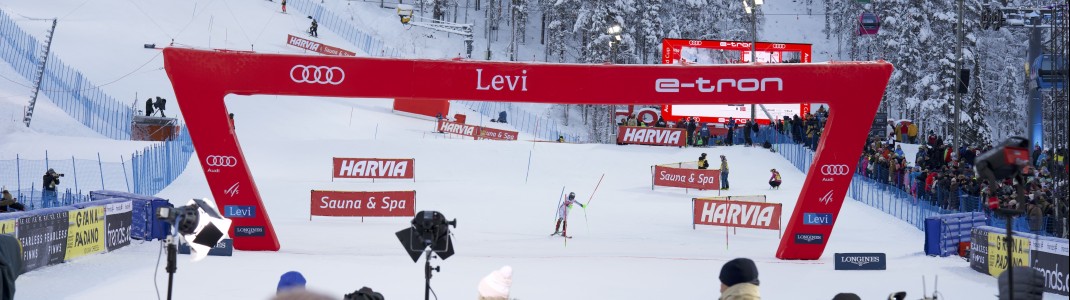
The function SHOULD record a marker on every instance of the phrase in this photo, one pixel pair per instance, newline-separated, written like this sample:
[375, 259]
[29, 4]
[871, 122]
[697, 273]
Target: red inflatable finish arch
[201, 79]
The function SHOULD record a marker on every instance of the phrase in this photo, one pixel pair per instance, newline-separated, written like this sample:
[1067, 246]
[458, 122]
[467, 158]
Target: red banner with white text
[477, 132]
[690, 178]
[317, 47]
[655, 136]
[744, 214]
[364, 204]
[497, 134]
[389, 168]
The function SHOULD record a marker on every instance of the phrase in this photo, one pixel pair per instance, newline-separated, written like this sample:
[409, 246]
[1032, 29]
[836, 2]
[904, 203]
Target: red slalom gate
[363, 204]
[202, 78]
[689, 178]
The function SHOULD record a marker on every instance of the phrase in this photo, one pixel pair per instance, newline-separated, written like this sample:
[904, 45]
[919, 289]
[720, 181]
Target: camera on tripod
[198, 223]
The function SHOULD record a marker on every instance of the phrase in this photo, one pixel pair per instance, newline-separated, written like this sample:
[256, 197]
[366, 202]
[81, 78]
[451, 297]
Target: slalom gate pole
[595, 190]
[528, 173]
[559, 197]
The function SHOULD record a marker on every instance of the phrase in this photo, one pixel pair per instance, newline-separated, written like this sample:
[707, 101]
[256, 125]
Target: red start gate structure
[201, 78]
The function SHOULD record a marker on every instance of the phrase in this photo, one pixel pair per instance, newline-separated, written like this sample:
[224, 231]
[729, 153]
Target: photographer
[48, 194]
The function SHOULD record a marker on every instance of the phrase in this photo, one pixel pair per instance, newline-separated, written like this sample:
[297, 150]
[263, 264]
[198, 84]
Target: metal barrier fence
[64, 86]
[25, 179]
[541, 127]
[147, 172]
[340, 26]
[895, 200]
[154, 168]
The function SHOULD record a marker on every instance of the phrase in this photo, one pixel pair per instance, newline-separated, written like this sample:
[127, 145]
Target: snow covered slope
[633, 243]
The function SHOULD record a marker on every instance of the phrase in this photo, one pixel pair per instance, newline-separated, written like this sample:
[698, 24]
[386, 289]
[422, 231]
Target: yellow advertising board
[86, 232]
[7, 227]
[997, 253]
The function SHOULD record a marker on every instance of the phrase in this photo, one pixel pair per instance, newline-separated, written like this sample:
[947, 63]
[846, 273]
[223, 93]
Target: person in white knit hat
[495, 286]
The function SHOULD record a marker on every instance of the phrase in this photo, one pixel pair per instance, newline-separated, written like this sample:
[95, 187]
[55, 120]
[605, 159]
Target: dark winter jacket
[50, 182]
[10, 265]
[703, 163]
[660, 123]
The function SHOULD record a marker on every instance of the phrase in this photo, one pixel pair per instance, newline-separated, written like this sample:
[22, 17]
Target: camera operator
[161, 104]
[48, 194]
[148, 107]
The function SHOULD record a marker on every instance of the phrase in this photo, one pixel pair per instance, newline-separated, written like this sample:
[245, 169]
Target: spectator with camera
[48, 194]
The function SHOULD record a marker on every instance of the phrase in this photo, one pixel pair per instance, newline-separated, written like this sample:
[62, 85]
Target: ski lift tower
[405, 13]
[1035, 19]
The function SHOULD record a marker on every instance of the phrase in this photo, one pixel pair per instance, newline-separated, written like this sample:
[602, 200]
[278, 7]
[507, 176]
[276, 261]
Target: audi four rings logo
[220, 161]
[317, 74]
[833, 170]
[694, 43]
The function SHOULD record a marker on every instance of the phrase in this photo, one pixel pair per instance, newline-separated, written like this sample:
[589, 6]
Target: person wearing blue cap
[290, 280]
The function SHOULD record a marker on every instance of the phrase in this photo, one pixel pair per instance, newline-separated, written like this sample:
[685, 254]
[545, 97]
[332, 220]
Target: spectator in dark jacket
[746, 133]
[731, 126]
[148, 107]
[49, 182]
[704, 134]
[691, 126]
[9, 203]
[660, 123]
[10, 265]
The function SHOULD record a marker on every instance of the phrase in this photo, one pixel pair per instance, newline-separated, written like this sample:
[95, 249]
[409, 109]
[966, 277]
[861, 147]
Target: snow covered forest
[917, 36]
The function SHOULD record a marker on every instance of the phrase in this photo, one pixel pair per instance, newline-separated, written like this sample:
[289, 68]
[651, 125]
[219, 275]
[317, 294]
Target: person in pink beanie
[495, 286]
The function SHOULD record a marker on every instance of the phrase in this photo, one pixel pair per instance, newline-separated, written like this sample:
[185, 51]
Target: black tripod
[171, 265]
[1009, 215]
[427, 275]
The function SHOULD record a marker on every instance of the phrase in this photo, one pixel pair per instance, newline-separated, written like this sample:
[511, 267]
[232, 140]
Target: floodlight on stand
[199, 224]
[429, 233]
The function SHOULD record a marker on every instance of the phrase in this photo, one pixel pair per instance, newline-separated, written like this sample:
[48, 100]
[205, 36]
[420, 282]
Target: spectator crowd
[944, 177]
